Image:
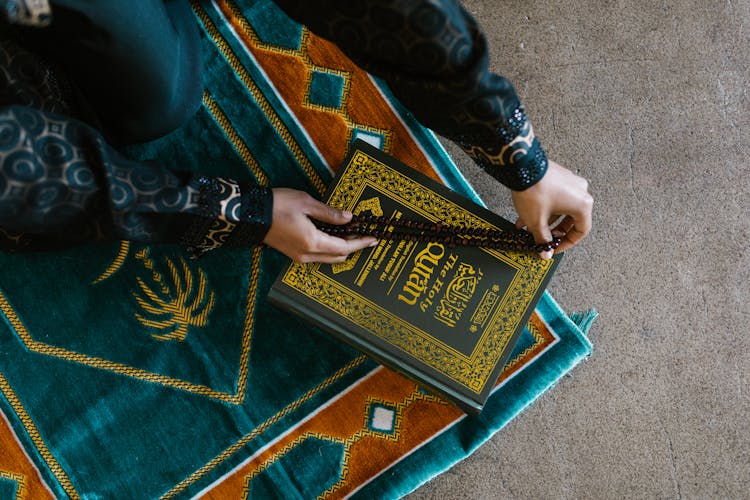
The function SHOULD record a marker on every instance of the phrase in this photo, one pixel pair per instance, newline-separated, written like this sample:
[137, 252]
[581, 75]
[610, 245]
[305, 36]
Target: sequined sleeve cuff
[231, 214]
[514, 156]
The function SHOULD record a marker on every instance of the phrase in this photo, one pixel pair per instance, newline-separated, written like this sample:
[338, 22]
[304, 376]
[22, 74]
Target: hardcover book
[446, 317]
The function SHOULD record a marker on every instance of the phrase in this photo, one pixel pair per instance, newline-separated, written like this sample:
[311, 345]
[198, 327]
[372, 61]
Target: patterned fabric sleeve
[61, 184]
[434, 58]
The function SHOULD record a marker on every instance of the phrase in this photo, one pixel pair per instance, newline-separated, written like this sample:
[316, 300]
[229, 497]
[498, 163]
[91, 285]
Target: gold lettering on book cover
[424, 264]
[458, 293]
[482, 312]
[471, 371]
[437, 285]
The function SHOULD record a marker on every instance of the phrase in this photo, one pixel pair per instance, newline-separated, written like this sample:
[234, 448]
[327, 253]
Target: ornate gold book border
[471, 371]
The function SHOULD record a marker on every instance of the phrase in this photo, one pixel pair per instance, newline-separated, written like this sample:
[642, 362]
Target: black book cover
[446, 317]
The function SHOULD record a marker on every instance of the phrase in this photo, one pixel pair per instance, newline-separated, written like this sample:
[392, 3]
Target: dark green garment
[137, 64]
[435, 59]
[62, 184]
[121, 72]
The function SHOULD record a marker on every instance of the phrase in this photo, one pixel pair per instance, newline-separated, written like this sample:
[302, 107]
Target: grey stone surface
[649, 101]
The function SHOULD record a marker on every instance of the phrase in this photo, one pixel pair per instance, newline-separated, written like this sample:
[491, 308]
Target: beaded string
[387, 228]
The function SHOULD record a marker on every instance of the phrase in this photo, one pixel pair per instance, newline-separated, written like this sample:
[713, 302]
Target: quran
[446, 317]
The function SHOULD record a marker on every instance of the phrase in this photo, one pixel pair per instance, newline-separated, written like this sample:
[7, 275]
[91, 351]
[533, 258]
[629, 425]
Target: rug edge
[574, 349]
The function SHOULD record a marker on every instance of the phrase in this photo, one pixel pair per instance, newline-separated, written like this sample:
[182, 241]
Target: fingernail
[347, 214]
[558, 233]
[373, 243]
[546, 255]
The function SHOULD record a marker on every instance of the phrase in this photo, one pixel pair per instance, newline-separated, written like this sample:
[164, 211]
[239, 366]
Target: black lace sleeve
[434, 57]
[61, 184]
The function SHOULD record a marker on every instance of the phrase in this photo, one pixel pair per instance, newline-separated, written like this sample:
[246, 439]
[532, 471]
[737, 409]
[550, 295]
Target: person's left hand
[293, 233]
[559, 194]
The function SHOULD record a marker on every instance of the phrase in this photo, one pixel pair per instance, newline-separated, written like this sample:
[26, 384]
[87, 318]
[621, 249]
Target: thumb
[328, 214]
[542, 234]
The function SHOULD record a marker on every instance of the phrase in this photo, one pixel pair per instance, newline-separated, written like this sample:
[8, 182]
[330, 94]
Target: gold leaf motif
[116, 264]
[172, 305]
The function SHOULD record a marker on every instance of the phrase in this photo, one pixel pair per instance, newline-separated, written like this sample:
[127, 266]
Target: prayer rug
[130, 371]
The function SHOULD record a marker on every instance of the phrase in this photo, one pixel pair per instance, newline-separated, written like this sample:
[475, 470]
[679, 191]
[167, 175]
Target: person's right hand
[560, 193]
[293, 233]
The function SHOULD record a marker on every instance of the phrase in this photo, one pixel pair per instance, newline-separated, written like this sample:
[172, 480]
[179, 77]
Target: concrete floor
[649, 101]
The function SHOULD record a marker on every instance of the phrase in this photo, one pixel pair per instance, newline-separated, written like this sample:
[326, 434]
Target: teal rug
[130, 371]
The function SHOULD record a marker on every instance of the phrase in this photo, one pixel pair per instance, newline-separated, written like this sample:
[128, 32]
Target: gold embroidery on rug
[173, 306]
[19, 479]
[238, 445]
[77, 357]
[239, 145]
[262, 101]
[348, 442]
[30, 426]
[116, 264]
[233, 13]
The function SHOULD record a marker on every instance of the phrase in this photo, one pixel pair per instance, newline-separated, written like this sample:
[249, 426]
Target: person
[82, 79]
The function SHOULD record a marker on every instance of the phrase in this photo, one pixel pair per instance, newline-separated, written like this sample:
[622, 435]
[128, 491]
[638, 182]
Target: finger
[570, 239]
[325, 258]
[328, 214]
[310, 258]
[339, 252]
[520, 224]
[542, 234]
[332, 245]
[564, 226]
[328, 258]
[554, 220]
[580, 228]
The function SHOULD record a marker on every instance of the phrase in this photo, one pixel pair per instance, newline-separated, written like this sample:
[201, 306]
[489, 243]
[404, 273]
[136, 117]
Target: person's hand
[560, 193]
[293, 233]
